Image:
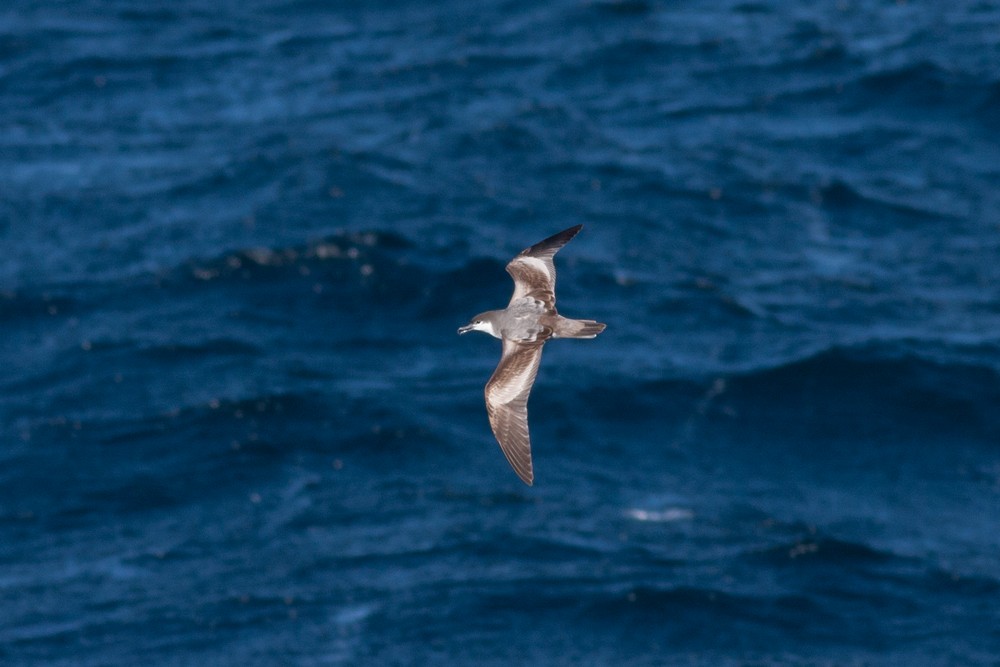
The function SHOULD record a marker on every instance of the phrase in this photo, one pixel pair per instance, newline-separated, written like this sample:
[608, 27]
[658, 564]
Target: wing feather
[533, 270]
[507, 403]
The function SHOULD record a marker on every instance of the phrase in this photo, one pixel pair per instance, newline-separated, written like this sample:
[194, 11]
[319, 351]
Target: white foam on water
[660, 516]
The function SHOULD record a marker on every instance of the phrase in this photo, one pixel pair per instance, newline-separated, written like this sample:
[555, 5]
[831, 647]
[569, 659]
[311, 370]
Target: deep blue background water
[238, 427]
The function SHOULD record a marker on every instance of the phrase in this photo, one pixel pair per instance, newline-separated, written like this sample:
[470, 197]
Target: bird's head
[481, 322]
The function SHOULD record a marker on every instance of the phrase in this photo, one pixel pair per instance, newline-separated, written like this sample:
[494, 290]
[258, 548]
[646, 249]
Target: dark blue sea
[237, 426]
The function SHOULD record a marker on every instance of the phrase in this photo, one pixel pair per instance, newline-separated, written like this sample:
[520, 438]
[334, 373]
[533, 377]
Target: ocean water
[237, 426]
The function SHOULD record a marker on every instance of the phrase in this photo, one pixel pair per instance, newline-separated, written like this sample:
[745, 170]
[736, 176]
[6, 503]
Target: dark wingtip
[570, 232]
[554, 242]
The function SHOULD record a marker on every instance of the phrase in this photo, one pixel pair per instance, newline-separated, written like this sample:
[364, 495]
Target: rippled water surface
[237, 426]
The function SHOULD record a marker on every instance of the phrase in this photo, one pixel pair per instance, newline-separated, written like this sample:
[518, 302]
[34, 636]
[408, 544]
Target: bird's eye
[479, 321]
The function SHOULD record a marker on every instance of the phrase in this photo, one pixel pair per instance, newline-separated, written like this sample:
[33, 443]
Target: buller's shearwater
[528, 321]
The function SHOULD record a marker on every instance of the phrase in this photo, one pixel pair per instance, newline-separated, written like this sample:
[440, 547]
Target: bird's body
[528, 321]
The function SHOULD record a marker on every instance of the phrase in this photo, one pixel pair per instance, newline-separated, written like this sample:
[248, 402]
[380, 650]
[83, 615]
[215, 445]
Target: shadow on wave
[870, 391]
[839, 394]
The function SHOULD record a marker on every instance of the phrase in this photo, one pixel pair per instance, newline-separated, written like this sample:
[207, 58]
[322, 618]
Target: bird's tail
[567, 328]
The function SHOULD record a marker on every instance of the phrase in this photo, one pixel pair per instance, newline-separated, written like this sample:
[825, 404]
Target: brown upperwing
[533, 270]
[507, 403]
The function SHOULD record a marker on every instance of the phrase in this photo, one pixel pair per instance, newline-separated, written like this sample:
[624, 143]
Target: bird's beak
[466, 329]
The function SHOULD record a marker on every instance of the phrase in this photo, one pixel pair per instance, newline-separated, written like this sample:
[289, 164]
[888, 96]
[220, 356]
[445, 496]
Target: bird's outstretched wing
[534, 272]
[507, 403]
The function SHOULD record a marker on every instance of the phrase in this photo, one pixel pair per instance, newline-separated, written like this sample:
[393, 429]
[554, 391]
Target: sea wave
[238, 425]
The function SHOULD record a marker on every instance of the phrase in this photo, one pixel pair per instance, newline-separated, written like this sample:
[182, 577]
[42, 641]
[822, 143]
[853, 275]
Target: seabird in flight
[528, 321]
